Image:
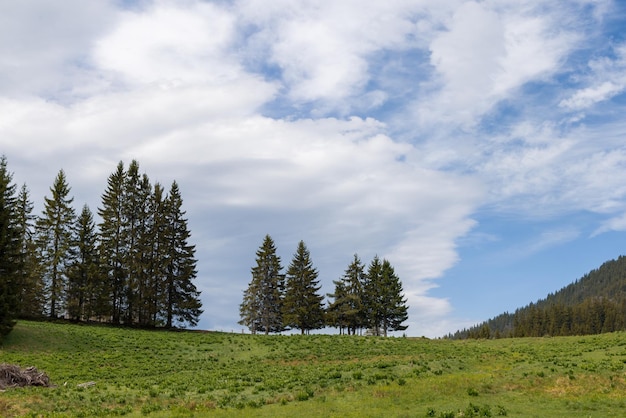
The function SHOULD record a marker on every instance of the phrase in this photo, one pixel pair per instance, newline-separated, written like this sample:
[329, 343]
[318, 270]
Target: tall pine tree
[302, 306]
[182, 298]
[347, 309]
[9, 252]
[394, 307]
[31, 294]
[54, 241]
[84, 290]
[261, 309]
[112, 246]
[385, 306]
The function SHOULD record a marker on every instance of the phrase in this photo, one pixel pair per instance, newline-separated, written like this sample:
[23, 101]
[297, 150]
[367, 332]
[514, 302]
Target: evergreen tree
[372, 298]
[385, 305]
[302, 307]
[154, 295]
[54, 240]
[135, 215]
[182, 298]
[113, 249]
[347, 309]
[9, 252]
[393, 306]
[31, 286]
[261, 309]
[84, 289]
[339, 311]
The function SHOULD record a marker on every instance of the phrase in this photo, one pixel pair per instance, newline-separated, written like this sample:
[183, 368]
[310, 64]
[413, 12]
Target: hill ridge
[592, 304]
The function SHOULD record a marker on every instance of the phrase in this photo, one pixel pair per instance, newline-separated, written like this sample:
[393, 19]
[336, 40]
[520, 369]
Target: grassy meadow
[141, 373]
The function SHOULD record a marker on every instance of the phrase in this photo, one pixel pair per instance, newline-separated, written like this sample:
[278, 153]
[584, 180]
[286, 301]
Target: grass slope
[184, 374]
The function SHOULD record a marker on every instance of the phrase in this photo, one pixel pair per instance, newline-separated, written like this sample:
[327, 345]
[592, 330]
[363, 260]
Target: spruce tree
[9, 252]
[136, 195]
[113, 249]
[154, 295]
[395, 309]
[84, 290]
[386, 307]
[348, 310]
[182, 298]
[261, 309]
[302, 306]
[372, 296]
[31, 286]
[339, 311]
[54, 240]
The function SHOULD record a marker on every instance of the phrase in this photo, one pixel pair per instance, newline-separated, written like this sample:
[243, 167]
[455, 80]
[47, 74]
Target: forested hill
[593, 304]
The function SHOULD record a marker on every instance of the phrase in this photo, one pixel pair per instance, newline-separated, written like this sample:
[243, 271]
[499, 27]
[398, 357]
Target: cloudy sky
[479, 146]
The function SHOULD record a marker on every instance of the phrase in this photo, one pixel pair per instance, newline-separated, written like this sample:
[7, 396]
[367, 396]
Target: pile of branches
[12, 376]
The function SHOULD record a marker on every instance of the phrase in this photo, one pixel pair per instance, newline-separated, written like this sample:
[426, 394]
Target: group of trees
[594, 304]
[274, 302]
[135, 267]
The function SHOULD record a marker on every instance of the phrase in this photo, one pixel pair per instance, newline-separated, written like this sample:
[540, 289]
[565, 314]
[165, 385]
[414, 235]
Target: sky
[479, 146]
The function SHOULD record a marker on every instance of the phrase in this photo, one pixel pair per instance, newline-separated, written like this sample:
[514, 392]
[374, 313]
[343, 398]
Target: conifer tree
[395, 309]
[261, 309]
[348, 310]
[84, 290]
[338, 311]
[9, 252]
[54, 240]
[372, 299]
[386, 308]
[136, 195]
[302, 306]
[112, 246]
[182, 298]
[154, 296]
[31, 286]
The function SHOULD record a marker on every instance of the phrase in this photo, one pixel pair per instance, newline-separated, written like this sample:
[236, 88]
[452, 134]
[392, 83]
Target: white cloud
[607, 79]
[486, 52]
[171, 42]
[322, 48]
[45, 46]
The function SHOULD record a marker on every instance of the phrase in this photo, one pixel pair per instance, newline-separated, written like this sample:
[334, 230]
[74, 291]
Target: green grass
[189, 374]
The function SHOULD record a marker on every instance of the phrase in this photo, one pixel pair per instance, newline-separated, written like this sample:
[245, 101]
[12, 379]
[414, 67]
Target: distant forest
[593, 304]
[135, 267]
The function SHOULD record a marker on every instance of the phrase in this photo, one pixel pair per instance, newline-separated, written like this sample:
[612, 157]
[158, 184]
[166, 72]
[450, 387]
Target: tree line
[593, 304]
[370, 300]
[135, 267]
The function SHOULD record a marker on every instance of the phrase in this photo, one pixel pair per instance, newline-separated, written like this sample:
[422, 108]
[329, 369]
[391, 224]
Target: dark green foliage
[85, 291]
[302, 305]
[10, 248]
[182, 298]
[147, 260]
[347, 309]
[261, 309]
[55, 233]
[594, 304]
[385, 306]
[30, 283]
[137, 269]
[112, 246]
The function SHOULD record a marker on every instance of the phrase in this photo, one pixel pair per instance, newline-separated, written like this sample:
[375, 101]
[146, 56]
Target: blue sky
[479, 146]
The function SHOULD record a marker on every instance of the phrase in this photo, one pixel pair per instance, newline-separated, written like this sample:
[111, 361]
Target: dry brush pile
[14, 376]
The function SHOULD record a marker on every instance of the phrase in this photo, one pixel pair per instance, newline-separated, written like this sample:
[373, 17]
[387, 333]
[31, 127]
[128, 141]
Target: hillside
[593, 304]
[102, 371]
